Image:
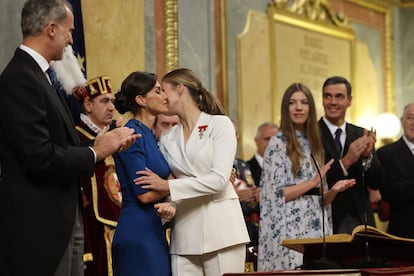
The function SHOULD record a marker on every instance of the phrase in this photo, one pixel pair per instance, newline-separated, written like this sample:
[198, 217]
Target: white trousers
[227, 260]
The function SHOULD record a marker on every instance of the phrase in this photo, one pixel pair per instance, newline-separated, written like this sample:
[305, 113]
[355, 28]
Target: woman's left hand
[151, 181]
[343, 185]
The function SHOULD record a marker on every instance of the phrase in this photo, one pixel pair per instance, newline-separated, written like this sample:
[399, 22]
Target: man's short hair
[338, 80]
[36, 14]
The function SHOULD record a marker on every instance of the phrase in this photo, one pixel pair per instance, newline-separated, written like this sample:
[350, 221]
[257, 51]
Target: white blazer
[209, 216]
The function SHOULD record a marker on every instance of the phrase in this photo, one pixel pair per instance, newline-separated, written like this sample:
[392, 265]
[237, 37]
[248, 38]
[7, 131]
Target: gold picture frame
[308, 43]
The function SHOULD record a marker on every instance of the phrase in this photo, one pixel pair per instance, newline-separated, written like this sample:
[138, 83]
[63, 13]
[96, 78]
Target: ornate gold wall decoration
[304, 47]
[313, 10]
[171, 34]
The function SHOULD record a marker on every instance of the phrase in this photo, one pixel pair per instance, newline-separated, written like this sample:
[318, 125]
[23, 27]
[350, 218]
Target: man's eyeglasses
[409, 117]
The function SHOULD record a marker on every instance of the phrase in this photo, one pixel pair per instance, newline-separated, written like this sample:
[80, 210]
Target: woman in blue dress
[290, 201]
[139, 246]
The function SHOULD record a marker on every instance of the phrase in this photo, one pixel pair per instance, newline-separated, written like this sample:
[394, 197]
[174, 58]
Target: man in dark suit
[248, 176]
[397, 161]
[352, 148]
[40, 155]
[264, 132]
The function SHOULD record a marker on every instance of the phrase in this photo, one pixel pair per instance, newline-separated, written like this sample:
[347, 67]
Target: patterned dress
[280, 220]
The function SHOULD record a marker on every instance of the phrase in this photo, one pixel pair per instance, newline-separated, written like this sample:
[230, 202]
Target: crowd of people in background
[74, 176]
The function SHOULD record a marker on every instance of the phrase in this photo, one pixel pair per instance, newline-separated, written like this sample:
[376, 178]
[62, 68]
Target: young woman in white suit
[208, 234]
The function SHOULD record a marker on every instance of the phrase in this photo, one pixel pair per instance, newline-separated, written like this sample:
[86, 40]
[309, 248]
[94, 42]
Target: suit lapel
[329, 142]
[404, 152]
[199, 136]
[52, 94]
[255, 169]
[177, 151]
[62, 108]
[352, 133]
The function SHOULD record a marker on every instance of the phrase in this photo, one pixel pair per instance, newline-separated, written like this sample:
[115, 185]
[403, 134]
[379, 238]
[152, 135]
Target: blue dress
[139, 246]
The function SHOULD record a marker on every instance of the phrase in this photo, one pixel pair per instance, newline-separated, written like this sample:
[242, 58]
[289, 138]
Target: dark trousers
[347, 225]
[71, 263]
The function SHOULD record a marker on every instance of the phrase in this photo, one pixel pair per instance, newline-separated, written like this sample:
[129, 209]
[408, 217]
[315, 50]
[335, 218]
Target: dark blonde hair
[294, 149]
[206, 101]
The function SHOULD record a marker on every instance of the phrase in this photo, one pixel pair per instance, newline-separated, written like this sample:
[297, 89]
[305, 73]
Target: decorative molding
[315, 10]
[319, 10]
[171, 34]
[401, 3]
[281, 16]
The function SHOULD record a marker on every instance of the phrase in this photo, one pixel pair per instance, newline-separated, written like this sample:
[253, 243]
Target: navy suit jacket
[397, 162]
[353, 202]
[255, 169]
[41, 162]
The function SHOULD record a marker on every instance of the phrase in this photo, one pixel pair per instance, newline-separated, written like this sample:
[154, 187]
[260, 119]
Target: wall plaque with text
[307, 51]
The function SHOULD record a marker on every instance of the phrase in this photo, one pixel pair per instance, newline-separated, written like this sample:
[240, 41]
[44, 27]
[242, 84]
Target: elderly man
[397, 161]
[264, 132]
